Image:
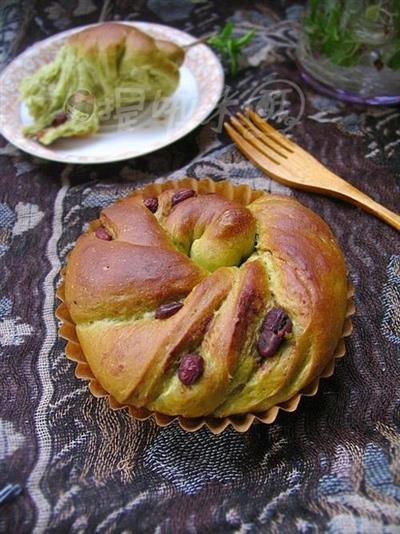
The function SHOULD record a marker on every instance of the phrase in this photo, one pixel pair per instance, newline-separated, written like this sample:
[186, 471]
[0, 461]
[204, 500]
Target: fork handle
[357, 197]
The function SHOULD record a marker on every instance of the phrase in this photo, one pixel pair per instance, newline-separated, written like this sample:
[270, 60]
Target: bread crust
[112, 37]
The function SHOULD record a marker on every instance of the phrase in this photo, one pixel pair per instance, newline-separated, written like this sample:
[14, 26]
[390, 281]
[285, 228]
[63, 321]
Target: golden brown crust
[307, 277]
[223, 219]
[174, 52]
[215, 231]
[237, 324]
[111, 36]
[132, 357]
[117, 279]
[113, 288]
[130, 221]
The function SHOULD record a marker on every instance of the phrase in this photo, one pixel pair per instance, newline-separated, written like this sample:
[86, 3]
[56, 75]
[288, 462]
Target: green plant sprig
[333, 38]
[230, 47]
[326, 35]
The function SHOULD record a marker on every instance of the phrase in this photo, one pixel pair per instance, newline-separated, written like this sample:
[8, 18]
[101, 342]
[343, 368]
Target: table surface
[334, 464]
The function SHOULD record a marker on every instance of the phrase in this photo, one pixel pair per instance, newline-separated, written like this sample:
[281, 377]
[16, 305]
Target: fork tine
[261, 136]
[274, 134]
[250, 138]
[265, 163]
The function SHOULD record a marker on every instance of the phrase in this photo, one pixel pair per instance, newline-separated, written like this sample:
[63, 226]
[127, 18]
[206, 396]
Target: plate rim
[143, 25]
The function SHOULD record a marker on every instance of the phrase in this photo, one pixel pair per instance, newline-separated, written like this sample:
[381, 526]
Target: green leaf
[230, 47]
[233, 56]
[227, 30]
[245, 40]
[329, 27]
[313, 9]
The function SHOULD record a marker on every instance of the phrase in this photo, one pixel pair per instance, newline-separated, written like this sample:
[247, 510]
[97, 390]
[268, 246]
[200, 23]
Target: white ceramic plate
[123, 136]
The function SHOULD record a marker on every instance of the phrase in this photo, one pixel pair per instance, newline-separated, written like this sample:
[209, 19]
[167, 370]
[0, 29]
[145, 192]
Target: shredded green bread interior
[71, 95]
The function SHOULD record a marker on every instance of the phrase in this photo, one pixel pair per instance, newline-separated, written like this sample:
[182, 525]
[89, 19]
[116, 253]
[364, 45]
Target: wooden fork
[286, 162]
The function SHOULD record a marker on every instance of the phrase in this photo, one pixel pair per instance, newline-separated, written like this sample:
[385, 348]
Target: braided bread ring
[229, 265]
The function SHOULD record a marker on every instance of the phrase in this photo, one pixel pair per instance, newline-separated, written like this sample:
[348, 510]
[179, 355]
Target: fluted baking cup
[241, 423]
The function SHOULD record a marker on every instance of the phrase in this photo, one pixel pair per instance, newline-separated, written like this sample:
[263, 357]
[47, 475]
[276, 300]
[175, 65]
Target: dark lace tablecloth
[333, 465]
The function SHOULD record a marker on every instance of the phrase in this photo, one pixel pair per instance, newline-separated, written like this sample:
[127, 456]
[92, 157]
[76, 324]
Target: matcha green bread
[190, 303]
[102, 68]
